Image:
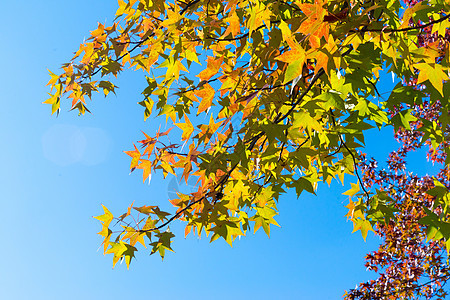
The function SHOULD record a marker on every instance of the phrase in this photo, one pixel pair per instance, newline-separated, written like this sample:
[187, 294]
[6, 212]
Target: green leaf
[275, 131]
[163, 243]
[303, 119]
[294, 69]
[332, 100]
[402, 119]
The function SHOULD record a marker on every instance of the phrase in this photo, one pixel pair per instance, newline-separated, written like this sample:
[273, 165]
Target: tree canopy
[288, 90]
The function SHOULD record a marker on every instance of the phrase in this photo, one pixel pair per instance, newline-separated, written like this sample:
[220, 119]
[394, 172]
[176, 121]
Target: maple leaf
[146, 166]
[145, 209]
[351, 192]
[135, 155]
[295, 58]
[403, 119]
[351, 208]
[163, 243]
[226, 229]
[134, 237]
[304, 120]
[259, 14]
[295, 54]
[235, 25]
[206, 94]
[105, 219]
[148, 144]
[314, 24]
[160, 134]
[53, 80]
[410, 11]
[363, 225]
[121, 251]
[432, 72]
[213, 67]
[187, 128]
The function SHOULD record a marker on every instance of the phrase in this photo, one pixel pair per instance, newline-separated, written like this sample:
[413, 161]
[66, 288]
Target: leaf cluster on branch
[289, 89]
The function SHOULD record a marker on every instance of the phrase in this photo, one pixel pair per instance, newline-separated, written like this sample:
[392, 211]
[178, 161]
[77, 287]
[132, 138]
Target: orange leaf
[296, 52]
[206, 94]
[163, 133]
[99, 31]
[123, 216]
[53, 80]
[314, 24]
[148, 144]
[235, 25]
[213, 66]
[135, 155]
[146, 166]
[187, 229]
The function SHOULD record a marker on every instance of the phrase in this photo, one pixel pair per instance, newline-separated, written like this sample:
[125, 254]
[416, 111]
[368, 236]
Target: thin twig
[402, 29]
[355, 164]
[335, 152]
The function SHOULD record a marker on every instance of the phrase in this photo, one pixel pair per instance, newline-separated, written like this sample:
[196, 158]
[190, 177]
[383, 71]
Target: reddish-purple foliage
[409, 266]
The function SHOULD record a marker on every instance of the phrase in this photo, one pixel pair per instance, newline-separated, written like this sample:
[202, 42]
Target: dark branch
[402, 29]
[355, 164]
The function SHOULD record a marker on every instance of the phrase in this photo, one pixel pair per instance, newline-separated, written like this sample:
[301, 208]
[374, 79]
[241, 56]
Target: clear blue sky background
[55, 173]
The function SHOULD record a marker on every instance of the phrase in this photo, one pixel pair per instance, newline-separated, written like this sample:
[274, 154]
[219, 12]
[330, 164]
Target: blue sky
[57, 171]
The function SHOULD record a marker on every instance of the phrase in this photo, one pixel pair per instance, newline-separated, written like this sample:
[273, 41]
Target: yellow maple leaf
[187, 128]
[409, 12]
[434, 73]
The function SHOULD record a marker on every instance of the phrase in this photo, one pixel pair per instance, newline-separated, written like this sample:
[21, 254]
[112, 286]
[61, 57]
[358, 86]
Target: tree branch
[355, 164]
[402, 29]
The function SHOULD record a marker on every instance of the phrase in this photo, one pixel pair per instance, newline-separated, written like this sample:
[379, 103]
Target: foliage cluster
[289, 89]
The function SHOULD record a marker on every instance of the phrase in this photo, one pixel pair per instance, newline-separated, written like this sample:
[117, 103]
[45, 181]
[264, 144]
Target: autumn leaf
[53, 80]
[409, 13]
[304, 120]
[105, 219]
[146, 166]
[434, 73]
[295, 57]
[235, 26]
[163, 243]
[145, 209]
[121, 251]
[206, 96]
[186, 127]
[314, 24]
[363, 225]
[351, 192]
[213, 67]
[148, 144]
[135, 155]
